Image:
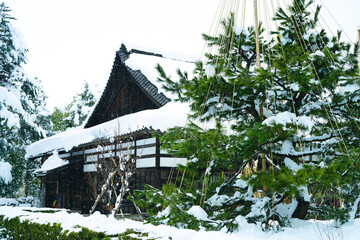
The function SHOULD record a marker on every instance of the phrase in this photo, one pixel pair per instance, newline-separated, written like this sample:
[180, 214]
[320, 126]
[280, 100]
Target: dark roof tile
[139, 78]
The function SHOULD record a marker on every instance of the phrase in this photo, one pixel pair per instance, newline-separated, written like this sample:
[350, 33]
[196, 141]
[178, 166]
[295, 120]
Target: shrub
[14, 229]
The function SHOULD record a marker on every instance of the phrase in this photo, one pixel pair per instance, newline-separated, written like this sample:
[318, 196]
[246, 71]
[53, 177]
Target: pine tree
[82, 105]
[298, 113]
[75, 113]
[21, 106]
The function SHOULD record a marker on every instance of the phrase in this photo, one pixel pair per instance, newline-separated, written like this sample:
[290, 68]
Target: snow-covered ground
[301, 230]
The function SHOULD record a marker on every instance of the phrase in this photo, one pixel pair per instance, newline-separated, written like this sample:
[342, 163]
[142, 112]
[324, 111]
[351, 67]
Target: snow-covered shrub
[27, 201]
[14, 228]
[173, 207]
[8, 202]
[222, 211]
[22, 201]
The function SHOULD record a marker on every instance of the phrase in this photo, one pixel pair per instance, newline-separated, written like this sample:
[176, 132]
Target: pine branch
[245, 162]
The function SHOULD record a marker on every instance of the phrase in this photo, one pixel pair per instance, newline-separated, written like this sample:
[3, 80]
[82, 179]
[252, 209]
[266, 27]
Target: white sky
[71, 41]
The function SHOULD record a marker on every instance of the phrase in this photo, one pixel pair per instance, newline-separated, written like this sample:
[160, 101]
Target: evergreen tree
[21, 107]
[75, 113]
[298, 114]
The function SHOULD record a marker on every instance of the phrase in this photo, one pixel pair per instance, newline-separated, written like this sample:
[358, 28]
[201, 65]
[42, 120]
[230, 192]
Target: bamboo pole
[123, 177]
[261, 110]
[256, 25]
[359, 40]
[103, 189]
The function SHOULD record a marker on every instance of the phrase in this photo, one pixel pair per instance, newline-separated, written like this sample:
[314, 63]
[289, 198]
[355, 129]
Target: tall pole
[359, 37]
[261, 110]
[257, 34]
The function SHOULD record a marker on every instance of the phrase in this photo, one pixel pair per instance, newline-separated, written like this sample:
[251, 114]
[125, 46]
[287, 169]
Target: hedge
[14, 229]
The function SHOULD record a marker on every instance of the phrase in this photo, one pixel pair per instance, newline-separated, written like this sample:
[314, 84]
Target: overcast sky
[71, 41]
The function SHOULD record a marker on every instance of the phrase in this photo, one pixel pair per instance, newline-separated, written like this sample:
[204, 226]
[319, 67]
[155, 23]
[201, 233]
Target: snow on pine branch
[5, 172]
[285, 118]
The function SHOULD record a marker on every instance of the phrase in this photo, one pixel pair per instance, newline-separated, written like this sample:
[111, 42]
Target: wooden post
[157, 164]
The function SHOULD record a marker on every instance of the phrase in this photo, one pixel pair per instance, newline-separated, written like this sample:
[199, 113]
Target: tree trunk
[301, 209]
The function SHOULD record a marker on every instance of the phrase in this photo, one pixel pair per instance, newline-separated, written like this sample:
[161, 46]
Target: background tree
[21, 107]
[298, 113]
[75, 113]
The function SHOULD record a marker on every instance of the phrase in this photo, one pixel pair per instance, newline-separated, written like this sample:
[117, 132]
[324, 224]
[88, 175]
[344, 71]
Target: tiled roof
[148, 87]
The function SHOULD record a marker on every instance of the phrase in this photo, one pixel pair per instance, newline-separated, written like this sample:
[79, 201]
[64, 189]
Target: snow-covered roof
[53, 162]
[172, 114]
[147, 63]
[142, 66]
[139, 66]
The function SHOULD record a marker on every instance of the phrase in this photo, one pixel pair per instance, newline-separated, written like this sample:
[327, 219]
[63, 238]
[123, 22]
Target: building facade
[125, 123]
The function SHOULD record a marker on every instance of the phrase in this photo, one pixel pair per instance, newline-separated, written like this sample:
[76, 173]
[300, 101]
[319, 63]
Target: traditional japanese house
[131, 109]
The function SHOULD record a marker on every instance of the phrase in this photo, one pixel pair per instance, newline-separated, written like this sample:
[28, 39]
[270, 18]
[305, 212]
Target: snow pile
[8, 202]
[286, 210]
[198, 213]
[5, 172]
[300, 229]
[172, 114]
[54, 161]
[28, 201]
[22, 202]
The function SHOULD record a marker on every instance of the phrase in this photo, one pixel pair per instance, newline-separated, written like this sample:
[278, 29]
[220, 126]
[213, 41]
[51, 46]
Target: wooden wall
[63, 187]
[122, 96]
[76, 185]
